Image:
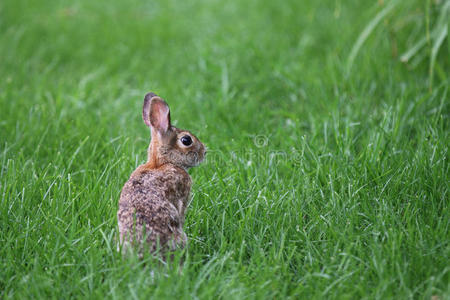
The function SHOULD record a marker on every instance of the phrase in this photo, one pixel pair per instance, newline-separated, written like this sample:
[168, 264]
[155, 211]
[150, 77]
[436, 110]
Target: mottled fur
[153, 201]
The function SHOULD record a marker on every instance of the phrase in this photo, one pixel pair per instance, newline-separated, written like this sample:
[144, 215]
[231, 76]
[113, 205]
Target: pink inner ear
[146, 108]
[146, 114]
[159, 115]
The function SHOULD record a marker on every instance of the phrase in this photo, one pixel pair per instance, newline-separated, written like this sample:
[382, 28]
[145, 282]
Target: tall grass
[321, 181]
[426, 26]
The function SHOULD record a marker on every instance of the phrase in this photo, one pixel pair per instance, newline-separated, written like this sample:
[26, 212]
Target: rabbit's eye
[186, 140]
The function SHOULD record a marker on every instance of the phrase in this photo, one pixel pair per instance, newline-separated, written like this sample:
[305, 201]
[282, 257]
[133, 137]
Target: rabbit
[153, 201]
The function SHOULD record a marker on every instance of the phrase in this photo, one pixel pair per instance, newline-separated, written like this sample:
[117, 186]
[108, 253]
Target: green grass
[321, 182]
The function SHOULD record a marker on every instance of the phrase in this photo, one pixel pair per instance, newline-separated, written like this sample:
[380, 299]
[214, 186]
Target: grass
[320, 182]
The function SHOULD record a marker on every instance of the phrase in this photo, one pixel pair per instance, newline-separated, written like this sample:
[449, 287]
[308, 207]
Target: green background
[327, 172]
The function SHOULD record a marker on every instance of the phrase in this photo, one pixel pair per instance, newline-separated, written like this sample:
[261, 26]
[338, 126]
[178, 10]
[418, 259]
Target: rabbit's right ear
[156, 113]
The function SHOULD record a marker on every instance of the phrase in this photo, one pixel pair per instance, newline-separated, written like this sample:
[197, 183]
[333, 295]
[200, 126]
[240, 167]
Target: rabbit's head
[168, 143]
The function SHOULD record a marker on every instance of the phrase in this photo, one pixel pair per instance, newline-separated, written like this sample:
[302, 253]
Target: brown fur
[153, 201]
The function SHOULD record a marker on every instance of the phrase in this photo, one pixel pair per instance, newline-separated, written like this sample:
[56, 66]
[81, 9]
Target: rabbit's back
[153, 203]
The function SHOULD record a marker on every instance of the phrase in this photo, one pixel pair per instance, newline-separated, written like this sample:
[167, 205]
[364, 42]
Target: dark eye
[186, 140]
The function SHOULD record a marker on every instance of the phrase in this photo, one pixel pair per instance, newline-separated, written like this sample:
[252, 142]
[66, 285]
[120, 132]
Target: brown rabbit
[153, 201]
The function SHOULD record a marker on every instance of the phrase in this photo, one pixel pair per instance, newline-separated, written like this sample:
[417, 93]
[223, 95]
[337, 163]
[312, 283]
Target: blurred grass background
[346, 196]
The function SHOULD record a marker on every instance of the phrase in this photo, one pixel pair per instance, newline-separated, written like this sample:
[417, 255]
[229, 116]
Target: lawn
[327, 173]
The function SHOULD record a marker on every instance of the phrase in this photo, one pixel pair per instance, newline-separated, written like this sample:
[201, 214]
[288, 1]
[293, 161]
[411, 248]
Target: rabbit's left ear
[156, 113]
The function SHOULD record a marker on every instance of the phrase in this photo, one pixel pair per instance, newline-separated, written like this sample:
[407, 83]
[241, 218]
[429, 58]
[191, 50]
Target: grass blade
[435, 50]
[366, 33]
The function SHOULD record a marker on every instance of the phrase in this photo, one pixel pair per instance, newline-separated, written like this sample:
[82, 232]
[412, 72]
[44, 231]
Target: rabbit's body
[153, 201]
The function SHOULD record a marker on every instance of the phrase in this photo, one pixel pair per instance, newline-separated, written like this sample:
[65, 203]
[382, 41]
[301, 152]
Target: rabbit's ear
[156, 113]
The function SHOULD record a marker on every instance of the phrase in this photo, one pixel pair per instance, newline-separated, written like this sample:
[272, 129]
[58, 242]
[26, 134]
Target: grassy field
[327, 175]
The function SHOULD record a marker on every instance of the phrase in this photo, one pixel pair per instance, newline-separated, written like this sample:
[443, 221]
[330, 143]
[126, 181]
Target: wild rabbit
[153, 201]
